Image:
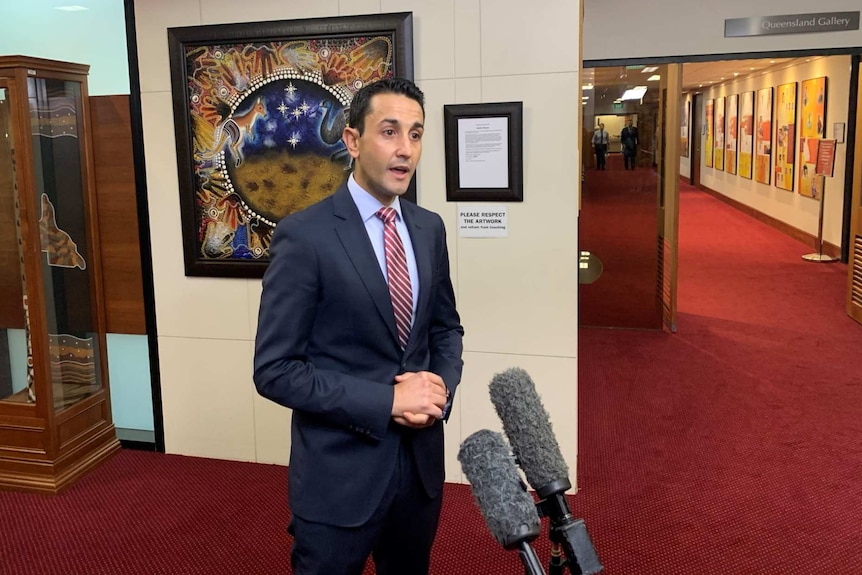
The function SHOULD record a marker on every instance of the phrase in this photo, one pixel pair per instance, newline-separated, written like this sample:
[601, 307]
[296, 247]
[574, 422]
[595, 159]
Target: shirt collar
[367, 204]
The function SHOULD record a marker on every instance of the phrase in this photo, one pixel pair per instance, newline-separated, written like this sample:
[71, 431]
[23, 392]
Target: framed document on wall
[484, 152]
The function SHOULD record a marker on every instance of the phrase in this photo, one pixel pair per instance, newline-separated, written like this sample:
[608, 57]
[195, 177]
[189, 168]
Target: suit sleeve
[445, 331]
[282, 372]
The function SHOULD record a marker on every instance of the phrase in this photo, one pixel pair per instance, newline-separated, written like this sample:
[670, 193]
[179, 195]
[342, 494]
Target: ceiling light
[735, 74]
[635, 93]
[74, 8]
[649, 69]
[752, 68]
[654, 78]
[700, 85]
[772, 61]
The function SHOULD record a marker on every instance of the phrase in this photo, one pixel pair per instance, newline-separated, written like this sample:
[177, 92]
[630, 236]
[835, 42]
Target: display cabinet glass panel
[13, 338]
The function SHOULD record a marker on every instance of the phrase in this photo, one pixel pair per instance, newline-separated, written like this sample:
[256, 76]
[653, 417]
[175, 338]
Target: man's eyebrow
[396, 122]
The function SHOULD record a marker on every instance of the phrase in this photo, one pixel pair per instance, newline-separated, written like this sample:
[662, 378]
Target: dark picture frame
[259, 108]
[480, 126]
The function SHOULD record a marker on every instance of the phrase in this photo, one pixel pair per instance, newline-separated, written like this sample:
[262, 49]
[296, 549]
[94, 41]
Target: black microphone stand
[566, 532]
[532, 566]
[520, 540]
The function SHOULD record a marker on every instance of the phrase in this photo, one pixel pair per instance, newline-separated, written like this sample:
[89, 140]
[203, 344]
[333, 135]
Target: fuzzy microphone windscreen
[528, 427]
[509, 510]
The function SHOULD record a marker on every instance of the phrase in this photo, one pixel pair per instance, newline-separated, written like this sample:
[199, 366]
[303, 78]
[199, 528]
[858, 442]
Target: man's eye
[389, 132]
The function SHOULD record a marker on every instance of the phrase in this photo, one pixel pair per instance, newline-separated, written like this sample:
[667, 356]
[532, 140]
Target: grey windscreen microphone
[529, 430]
[509, 510]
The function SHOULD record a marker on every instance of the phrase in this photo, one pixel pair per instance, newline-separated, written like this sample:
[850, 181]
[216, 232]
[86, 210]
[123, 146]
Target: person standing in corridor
[600, 144]
[359, 335]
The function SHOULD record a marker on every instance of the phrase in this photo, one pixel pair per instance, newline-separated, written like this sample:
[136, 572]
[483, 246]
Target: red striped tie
[397, 276]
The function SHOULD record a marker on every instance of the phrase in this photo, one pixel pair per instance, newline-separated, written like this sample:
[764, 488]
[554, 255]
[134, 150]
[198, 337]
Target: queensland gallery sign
[791, 24]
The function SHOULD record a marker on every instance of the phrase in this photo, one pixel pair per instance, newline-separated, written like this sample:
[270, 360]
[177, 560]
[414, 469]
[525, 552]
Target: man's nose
[405, 147]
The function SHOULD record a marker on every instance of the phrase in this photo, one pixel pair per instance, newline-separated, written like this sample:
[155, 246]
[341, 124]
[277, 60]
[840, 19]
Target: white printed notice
[483, 152]
[483, 222]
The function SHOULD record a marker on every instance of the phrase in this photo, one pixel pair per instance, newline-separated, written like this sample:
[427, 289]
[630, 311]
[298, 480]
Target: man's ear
[350, 137]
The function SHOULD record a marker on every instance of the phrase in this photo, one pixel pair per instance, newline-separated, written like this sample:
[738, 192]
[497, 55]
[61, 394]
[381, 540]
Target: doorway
[629, 114]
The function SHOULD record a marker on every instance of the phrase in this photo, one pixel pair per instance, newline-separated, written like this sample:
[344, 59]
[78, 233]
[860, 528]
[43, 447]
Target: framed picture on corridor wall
[708, 149]
[719, 133]
[785, 135]
[763, 137]
[812, 129]
[731, 144]
[746, 133]
[259, 109]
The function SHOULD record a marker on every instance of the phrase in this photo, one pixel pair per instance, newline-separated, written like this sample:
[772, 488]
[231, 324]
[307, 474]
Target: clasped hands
[419, 399]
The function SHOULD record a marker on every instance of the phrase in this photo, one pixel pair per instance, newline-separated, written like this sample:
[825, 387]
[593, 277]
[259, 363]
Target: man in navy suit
[366, 464]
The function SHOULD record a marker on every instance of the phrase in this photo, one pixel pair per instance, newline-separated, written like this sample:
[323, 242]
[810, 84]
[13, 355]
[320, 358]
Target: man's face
[386, 154]
[628, 122]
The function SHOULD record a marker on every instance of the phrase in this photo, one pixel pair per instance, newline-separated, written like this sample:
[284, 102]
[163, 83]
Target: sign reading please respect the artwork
[483, 221]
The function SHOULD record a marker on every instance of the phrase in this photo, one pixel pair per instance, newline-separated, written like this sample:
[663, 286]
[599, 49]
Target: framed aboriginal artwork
[785, 135]
[719, 133]
[259, 109]
[731, 144]
[710, 143]
[746, 133]
[763, 137]
[812, 129]
[684, 122]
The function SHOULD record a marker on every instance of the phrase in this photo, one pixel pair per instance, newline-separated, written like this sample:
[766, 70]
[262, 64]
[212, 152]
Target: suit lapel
[423, 244]
[354, 239]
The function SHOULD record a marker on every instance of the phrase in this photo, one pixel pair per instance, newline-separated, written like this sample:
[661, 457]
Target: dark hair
[362, 100]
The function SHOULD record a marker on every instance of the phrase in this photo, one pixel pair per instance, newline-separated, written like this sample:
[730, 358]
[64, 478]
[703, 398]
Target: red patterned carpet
[619, 208]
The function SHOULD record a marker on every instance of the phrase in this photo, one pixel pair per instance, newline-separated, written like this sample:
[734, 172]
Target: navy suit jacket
[327, 347]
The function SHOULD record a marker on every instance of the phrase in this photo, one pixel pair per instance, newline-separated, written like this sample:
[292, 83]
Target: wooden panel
[854, 272]
[24, 436]
[856, 277]
[11, 309]
[118, 219]
[69, 430]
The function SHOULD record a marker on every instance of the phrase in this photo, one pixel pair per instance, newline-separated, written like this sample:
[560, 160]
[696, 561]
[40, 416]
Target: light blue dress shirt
[368, 207]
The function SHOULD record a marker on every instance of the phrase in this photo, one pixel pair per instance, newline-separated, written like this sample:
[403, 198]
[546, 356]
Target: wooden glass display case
[55, 415]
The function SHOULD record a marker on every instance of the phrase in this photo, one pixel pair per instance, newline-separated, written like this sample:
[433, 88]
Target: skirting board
[808, 239]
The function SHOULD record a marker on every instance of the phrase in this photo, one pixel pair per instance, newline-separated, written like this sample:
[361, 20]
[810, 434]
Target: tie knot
[387, 215]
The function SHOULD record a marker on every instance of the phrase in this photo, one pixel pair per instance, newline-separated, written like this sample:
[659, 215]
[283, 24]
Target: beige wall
[517, 295]
[686, 27]
[799, 211]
